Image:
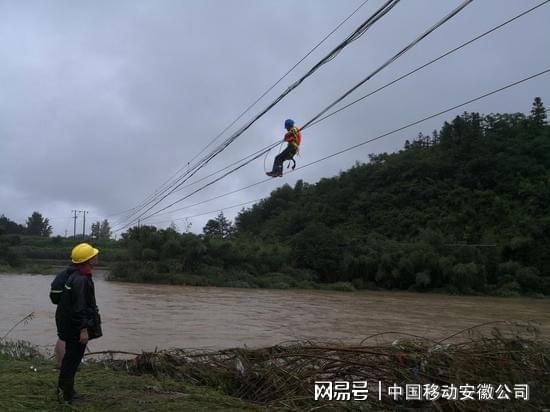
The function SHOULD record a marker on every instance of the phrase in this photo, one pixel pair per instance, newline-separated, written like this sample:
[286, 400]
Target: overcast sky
[102, 101]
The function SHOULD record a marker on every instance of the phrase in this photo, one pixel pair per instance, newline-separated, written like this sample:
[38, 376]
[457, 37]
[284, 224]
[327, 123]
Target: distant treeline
[32, 242]
[464, 210]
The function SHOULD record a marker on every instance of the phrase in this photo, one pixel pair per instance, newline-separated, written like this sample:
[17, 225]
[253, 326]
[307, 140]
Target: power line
[204, 186]
[125, 210]
[260, 151]
[391, 60]
[395, 57]
[432, 61]
[510, 85]
[281, 78]
[248, 108]
[209, 212]
[427, 118]
[382, 11]
[331, 55]
[383, 66]
[499, 26]
[214, 198]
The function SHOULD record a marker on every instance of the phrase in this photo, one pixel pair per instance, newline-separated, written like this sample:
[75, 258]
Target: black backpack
[58, 284]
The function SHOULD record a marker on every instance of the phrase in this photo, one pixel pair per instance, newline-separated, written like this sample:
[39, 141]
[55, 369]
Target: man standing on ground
[78, 317]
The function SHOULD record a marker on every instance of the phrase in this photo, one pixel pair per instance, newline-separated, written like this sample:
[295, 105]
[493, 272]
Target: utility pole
[84, 223]
[74, 217]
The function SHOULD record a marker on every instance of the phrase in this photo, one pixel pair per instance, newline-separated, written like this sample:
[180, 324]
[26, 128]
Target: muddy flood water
[140, 317]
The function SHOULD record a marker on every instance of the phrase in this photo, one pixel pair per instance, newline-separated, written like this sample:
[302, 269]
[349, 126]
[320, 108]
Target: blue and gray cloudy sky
[102, 101]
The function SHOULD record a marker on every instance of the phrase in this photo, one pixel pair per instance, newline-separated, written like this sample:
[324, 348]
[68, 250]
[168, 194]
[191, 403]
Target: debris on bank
[485, 368]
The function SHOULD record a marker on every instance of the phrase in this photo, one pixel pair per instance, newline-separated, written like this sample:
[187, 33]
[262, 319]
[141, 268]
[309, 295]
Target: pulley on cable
[293, 137]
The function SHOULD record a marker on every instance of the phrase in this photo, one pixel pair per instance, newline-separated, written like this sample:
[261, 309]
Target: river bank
[286, 281]
[494, 369]
[215, 278]
[29, 268]
[28, 384]
[41, 267]
[242, 280]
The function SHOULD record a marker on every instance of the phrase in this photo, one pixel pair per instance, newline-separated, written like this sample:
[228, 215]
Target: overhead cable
[391, 60]
[431, 61]
[423, 66]
[365, 142]
[248, 108]
[382, 11]
[383, 66]
[281, 78]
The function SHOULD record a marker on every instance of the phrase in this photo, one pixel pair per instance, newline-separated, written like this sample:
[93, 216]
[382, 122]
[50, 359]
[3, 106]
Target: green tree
[171, 249]
[37, 225]
[194, 249]
[95, 230]
[149, 254]
[219, 227]
[10, 227]
[319, 248]
[104, 230]
[187, 225]
[7, 254]
[538, 112]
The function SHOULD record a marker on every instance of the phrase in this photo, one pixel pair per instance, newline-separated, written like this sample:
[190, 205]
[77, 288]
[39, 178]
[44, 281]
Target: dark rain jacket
[77, 308]
[58, 284]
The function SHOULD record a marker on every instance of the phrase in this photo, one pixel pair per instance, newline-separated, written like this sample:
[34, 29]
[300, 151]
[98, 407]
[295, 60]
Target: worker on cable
[293, 137]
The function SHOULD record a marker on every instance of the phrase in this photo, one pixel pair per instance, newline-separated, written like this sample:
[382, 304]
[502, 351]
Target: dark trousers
[74, 352]
[286, 154]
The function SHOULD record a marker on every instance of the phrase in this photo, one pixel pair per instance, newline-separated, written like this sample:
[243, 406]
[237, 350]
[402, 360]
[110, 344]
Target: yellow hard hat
[83, 252]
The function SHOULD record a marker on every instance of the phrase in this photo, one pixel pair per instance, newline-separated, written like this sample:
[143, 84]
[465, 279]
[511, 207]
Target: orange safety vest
[294, 137]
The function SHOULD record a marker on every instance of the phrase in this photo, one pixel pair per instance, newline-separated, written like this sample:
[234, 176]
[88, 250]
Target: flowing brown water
[144, 317]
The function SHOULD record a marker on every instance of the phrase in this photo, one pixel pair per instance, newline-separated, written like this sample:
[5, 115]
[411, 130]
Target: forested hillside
[465, 208]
